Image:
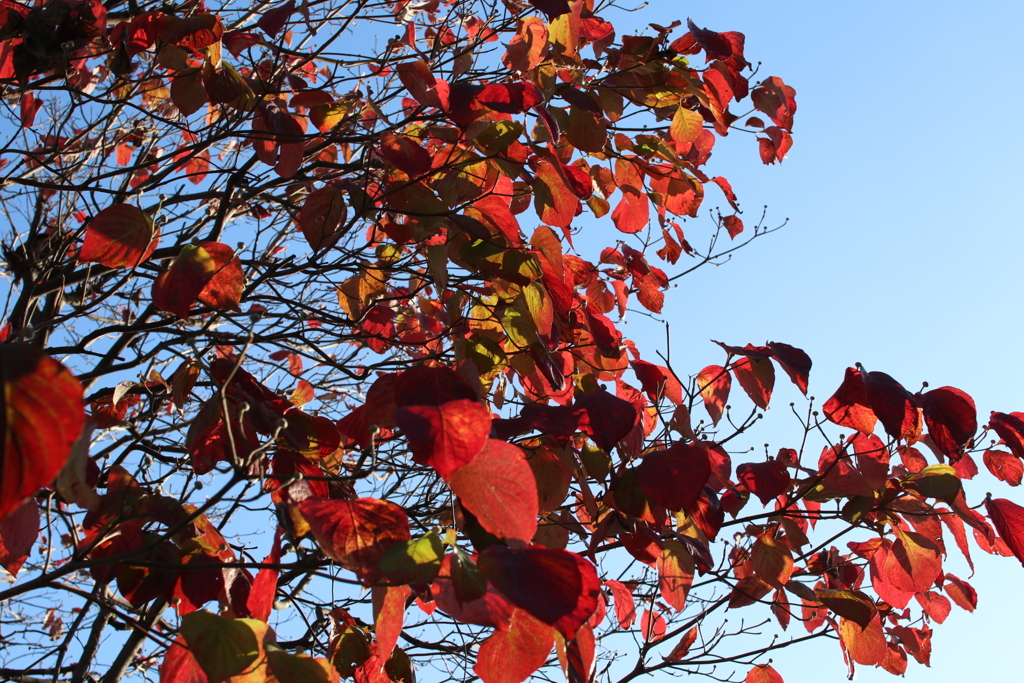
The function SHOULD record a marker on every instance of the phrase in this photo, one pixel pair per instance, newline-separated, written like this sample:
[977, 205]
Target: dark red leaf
[794, 361]
[274, 20]
[606, 418]
[209, 272]
[18, 533]
[675, 478]
[893, 404]
[431, 386]
[757, 377]
[951, 418]
[322, 217]
[558, 587]
[766, 480]
[552, 8]
[714, 44]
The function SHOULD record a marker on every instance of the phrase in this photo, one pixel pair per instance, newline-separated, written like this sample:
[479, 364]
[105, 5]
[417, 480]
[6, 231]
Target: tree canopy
[313, 365]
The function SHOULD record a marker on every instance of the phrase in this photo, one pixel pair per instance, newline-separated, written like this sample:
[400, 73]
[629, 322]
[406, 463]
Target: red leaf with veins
[951, 417]
[499, 488]
[356, 533]
[633, 212]
[510, 98]
[1010, 428]
[675, 478]
[446, 436]
[625, 606]
[120, 236]
[713, 383]
[734, 225]
[1008, 519]
[558, 587]
[322, 217]
[42, 417]
[849, 406]
[757, 377]
[1005, 466]
[260, 602]
[512, 654]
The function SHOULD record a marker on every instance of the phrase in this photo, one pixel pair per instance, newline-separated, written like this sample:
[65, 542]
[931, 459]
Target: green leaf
[223, 647]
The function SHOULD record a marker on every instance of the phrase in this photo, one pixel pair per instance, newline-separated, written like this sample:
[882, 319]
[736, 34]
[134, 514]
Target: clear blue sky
[904, 244]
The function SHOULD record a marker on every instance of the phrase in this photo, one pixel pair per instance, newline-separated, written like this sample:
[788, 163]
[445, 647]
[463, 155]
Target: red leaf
[961, 592]
[446, 436]
[714, 383]
[390, 616]
[356, 533]
[714, 44]
[512, 654]
[935, 605]
[179, 666]
[652, 626]
[1005, 466]
[422, 85]
[209, 271]
[633, 212]
[431, 386]
[794, 361]
[264, 586]
[510, 98]
[675, 478]
[951, 418]
[1010, 428]
[849, 406]
[18, 532]
[682, 648]
[322, 217]
[763, 673]
[607, 419]
[625, 606]
[558, 587]
[554, 200]
[766, 480]
[893, 404]
[405, 154]
[757, 377]
[195, 32]
[657, 381]
[913, 562]
[777, 100]
[734, 225]
[120, 236]
[498, 487]
[42, 417]
[1008, 519]
[274, 20]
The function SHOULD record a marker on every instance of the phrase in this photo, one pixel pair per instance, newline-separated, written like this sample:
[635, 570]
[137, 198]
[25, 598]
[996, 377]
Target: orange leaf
[512, 654]
[356, 533]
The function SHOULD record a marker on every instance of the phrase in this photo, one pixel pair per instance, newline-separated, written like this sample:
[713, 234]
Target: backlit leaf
[498, 487]
[713, 383]
[43, 414]
[322, 217]
[356, 533]
[511, 655]
[849, 406]
[119, 236]
[675, 478]
[763, 673]
[209, 272]
[223, 647]
[1008, 519]
[18, 533]
[558, 587]
[865, 646]
[446, 436]
[675, 574]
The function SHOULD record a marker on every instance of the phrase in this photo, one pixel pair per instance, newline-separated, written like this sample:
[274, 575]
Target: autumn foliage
[313, 368]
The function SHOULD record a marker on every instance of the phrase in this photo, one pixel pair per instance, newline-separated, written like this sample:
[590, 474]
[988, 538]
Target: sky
[903, 246]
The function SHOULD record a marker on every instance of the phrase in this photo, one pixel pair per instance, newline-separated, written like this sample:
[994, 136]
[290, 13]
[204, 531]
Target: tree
[271, 272]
